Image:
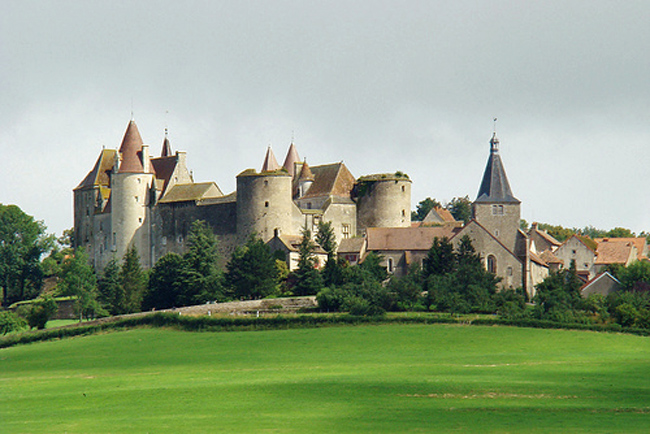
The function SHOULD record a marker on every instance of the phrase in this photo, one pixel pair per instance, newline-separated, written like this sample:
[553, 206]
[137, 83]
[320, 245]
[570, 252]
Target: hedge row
[216, 324]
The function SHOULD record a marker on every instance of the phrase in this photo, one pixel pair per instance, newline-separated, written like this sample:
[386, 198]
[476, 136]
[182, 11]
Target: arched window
[492, 264]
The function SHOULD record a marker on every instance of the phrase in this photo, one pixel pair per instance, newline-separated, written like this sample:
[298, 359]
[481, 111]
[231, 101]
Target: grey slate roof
[495, 187]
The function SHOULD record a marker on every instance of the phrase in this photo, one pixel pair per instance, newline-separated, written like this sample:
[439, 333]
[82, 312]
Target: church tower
[495, 207]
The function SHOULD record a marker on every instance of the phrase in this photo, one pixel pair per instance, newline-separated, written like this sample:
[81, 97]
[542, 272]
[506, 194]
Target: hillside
[388, 378]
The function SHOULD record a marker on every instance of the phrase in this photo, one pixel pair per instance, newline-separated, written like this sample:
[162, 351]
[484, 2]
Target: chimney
[145, 158]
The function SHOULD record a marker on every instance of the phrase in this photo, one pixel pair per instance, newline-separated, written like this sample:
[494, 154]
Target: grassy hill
[372, 378]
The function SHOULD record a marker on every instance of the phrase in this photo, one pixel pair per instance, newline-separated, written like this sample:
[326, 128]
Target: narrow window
[346, 231]
[509, 271]
[266, 204]
[492, 264]
[390, 265]
[136, 199]
[164, 241]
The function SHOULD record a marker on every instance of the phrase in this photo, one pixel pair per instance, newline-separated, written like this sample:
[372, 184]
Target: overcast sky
[382, 85]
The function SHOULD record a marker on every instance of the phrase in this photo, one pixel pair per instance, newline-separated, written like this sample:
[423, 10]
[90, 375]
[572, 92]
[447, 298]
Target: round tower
[131, 182]
[264, 203]
[383, 200]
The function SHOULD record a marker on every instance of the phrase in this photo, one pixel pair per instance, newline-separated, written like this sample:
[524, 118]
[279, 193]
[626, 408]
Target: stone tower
[495, 207]
[383, 201]
[131, 183]
[264, 202]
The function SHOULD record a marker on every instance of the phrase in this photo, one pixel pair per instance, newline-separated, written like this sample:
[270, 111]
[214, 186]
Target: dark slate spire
[495, 187]
[166, 148]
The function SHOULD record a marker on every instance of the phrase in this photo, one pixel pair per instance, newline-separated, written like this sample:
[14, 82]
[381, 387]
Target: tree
[133, 281]
[423, 208]
[201, 277]
[164, 283]
[461, 208]
[22, 242]
[440, 258]
[307, 279]
[111, 291]
[251, 271]
[558, 296]
[10, 322]
[78, 279]
[332, 271]
[40, 312]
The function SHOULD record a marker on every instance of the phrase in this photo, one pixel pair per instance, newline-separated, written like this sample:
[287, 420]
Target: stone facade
[130, 198]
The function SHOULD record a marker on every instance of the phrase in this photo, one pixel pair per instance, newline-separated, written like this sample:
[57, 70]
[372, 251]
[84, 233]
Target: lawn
[373, 378]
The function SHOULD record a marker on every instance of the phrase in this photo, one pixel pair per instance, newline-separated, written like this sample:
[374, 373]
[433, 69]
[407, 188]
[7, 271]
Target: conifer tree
[251, 272]
[307, 278]
[134, 282]
[111, 292]
[201, 277]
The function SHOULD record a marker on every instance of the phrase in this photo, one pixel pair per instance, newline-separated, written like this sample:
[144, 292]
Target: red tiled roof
[164, 167]
[270, 163]
[639, 243]
[131, 150]
[331, 180]
[614, 252]
[548, 257]
[420, 238]
[290, 160]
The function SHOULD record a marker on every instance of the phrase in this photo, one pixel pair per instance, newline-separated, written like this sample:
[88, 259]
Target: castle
[131, 198]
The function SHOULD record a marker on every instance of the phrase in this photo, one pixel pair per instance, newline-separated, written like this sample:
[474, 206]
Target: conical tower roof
[290, 160]
[306, 173]
[270, 163]
[166, 148]
[130, 149]
[495, 187]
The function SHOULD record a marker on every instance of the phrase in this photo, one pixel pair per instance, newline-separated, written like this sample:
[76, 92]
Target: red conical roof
[290, 160]
[270, 163]
[131, 150]
[306, 173]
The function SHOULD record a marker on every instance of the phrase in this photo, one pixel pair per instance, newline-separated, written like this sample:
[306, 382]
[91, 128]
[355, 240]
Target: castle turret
[291, 159]
[383, 200]
[131, 185]
[264, 203]
[495, 207]
[270, 164]
[305, 180]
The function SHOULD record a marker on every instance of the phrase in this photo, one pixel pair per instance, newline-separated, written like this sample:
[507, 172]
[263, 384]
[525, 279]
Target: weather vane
[495, 125]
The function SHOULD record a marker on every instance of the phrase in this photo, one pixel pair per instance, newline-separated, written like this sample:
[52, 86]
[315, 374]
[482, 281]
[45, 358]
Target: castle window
[139, 219]
[496, 232]
[136, 199]
[164, 241]
[492, 264]
[509, 271]
[139, 181]
[180, 239]
[403, 213]
[390, 265]
[403, 189]
[266, 204]
[266, 183]
[346, 231]
[308, 205]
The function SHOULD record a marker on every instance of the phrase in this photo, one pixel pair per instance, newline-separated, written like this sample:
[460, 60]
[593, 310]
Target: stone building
[131, 198]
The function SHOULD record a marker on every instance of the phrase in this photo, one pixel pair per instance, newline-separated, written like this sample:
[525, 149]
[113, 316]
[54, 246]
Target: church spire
[495, 187]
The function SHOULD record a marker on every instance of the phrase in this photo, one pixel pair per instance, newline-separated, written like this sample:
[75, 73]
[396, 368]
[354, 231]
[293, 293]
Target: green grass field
[386, 378]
